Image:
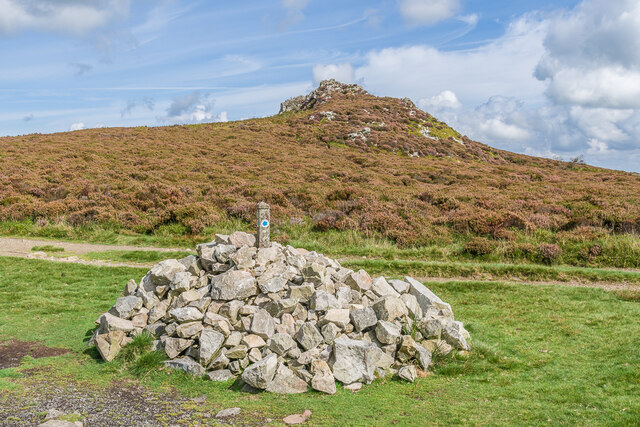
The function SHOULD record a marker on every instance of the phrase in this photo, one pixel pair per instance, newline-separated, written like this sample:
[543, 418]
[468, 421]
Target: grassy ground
[546, 354]
[136, 256]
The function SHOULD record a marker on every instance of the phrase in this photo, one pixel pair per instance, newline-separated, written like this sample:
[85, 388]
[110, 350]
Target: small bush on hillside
[549, 252]
[478, 246]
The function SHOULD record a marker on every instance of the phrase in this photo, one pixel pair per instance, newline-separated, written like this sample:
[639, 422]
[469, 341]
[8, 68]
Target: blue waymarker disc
[265, 223]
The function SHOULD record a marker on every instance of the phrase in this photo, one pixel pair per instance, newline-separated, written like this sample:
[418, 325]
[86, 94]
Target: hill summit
[336, 158]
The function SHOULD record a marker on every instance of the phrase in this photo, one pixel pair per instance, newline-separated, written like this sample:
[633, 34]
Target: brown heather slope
[343, 157]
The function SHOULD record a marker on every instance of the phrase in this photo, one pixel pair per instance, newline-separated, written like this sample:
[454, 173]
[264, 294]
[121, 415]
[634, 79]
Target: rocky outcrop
[281, 318]
[325, 91]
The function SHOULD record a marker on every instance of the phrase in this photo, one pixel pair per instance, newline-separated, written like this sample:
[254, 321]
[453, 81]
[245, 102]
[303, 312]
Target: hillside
[338, 157]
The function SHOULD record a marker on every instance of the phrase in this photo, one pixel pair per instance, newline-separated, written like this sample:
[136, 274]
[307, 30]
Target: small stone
[314, 273]
[189, 330]
[126, 306]
[164, 272]
[407, 349]
[186, 364]
[109, 344]
[353, 387]
[229, 412]
[174, 346]
[237, 352]
[353, 361]
[186, 314]
[254, 355]
[323, 301]
[411, 302]
[220, 375]
[338, 316]
[408, 373]
[423, 356]
[302, 293]
[329, 332]
[400, 286]
[223, 253]
[130, 288]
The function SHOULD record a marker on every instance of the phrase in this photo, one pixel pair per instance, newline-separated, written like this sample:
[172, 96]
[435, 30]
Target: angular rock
[411, 302]
[109, 344]
[158, 311]
[189, 330]
[186, 314]
[323, 301]
[329, 332]
[454, 334]
[359, 281]
[181, 281]
[164, 272]
[126, 306]
[338, 316]
[220, 375]
[400, 286]
[281, 343]
[353, 361]
[130, 288]
[426, 298]
[407, 349]
[308, 336]
[174, 346]
[387, 332]
[237, 352]
[186, 364]
[210, 344]
[286, 382]
[109, 322]
[262, 324]
[323, 379]
[363, 319]
[314, 273]
[261, 373]
[243, 258]
[253, 341]
[390, 308]
[380, 287]
[408, 373]
[423, 356]
[302, 293]
[223, 253]
[234, 284]
[240, 239]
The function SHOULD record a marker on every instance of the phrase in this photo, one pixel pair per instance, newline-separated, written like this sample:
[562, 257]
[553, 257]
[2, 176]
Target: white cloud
[427, 12]
[293, 10]
[66, 16]
[445, 99]
[76, 126]
[592, 56]
[341, 72]
[193, 107]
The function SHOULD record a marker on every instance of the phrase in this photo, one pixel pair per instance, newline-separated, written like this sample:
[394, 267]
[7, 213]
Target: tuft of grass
[47, 248]
[147, 363]
[632, 295]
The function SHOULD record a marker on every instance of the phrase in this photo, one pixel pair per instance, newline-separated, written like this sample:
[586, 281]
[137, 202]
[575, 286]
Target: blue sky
[551, 78]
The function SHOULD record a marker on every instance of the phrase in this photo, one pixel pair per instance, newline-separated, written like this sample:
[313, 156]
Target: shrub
[478, 246]
[549, 252]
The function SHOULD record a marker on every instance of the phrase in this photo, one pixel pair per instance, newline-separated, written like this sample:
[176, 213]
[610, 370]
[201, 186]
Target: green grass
[541, 354]
[142, 256]
[471, 270]
[48, 248]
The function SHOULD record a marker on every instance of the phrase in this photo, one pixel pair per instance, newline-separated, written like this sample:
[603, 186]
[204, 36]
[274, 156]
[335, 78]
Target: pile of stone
[281, 318]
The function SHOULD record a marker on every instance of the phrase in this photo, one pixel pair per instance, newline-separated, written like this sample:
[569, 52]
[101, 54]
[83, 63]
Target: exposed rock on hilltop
[282, 318]
[325, 91]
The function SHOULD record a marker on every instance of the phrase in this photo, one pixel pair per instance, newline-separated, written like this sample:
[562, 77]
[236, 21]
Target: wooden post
[264, 225]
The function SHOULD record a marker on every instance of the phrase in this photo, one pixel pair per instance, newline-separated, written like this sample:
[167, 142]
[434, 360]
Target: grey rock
[363, 318]
[323, 301]
[302, 293]
[408, 373]
[156, 329]
[323, 379]
[130, 288]
[109, 344]
[286, 382]
[243, 258]
[253, 341]
[423, 356]
[387, 332]
[411, 302]
[308, 336]
[174, 346]
[390, 308]
[126, 306]
[109, 322]
[338, 316]
[454, 334]
[406, 349]
[314, 273]
[186, 364]
[380, 287]
[164, 272]
[229, 412]
[234, 284]
[189, 330]
[223, 253]
[158, 311]
[240, 239]
[400, 286]
[353, 361]
[220, 361]
[181, 281]
[426, 298]
[329, 332]
[281, 343]
[261, 373]
[359, 281]
[186, 314]
[237, 352]
[210, 344]
[262, 324]
[230, 310]
[220, 375]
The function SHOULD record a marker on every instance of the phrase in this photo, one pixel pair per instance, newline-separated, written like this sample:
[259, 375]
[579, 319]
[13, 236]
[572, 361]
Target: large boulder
[353, 361]
[163, 273]
[286, 382]
[261, 373]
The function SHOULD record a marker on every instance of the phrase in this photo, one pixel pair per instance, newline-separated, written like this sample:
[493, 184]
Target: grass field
[542, 355]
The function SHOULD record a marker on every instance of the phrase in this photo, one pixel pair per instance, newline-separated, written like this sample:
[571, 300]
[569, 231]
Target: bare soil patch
[12, 352]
